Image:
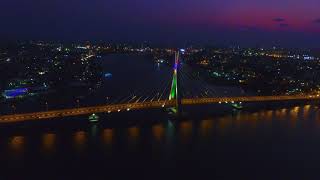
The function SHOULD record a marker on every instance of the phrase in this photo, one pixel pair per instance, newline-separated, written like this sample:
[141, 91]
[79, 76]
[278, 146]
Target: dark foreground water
[283, 143]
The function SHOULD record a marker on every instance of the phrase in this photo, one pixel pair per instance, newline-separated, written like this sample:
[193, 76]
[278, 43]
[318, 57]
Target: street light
[78, 103]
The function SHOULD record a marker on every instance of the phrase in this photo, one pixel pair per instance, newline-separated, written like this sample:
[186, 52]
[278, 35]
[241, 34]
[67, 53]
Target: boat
[93, 118]
[237, 106]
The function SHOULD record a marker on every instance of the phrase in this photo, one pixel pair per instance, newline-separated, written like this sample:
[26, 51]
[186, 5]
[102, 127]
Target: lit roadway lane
[84, 111]
[144, 105]
[195, 101]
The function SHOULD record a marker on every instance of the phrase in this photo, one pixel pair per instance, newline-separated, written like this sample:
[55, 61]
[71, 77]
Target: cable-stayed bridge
[184, 88]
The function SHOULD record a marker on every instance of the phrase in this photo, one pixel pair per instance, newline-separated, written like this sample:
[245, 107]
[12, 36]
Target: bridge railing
[145, 105]
[248, 99]
[84, 111]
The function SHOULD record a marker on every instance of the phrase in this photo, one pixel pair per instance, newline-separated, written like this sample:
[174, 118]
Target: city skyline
[242, 22]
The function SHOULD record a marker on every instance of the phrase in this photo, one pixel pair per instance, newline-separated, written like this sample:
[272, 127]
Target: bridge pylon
[175, 86]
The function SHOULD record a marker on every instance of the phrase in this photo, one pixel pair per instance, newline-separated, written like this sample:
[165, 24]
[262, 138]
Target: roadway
[143, 105]
[196, 101]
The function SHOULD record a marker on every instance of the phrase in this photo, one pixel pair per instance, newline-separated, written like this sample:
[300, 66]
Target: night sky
[289, 23]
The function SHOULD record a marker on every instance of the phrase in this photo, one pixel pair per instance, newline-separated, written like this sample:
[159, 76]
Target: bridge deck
[247, 99]
[144, 105]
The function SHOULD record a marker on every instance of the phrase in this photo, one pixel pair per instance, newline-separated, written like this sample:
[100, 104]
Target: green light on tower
[173, 92]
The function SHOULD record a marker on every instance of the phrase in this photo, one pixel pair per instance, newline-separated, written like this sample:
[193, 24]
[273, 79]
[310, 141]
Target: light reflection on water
[206, 128]
[166, 133]
[133, 137]
[158, 131]
[107, 136]
[80, 139]
[294, 114]
[16, 145]
[49, 142]
[306, 111]
[185, 131]
[223, 125]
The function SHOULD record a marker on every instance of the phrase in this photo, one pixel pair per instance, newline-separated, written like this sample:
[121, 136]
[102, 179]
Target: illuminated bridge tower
[174, 92]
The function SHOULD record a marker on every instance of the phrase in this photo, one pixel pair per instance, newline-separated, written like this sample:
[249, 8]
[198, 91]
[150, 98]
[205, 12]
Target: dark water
[266, 144]
[208, 143]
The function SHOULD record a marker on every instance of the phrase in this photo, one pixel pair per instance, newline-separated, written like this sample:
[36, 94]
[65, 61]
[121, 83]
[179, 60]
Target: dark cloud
[317, 21]
[247, 28]
[279, 19]
[284, 25]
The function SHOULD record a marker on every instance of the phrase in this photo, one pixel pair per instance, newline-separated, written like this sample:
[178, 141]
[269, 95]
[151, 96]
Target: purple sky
[293, 23]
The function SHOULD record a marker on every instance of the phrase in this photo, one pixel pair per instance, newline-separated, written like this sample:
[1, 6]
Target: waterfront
[130, 74]
[273, 144]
